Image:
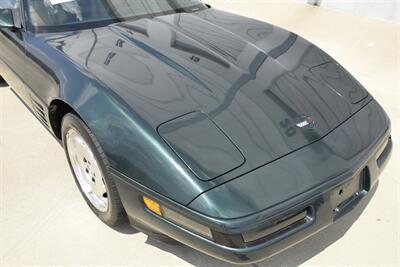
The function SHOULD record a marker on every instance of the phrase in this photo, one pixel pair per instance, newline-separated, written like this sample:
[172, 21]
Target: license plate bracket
[345, 193]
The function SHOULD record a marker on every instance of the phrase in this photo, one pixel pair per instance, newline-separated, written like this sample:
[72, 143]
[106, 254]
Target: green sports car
[227, 134]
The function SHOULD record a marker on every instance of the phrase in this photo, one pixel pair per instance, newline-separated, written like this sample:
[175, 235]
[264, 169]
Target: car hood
[266, 91]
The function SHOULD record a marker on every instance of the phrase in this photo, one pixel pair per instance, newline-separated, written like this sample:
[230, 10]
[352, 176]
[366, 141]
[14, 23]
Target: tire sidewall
[72, 121]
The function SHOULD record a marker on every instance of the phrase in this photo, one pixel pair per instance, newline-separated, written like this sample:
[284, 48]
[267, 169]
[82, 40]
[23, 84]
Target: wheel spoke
[99, 188]
[87, 170]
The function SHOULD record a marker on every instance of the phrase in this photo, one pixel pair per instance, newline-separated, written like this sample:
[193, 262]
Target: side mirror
[9, 18]
[6, 18]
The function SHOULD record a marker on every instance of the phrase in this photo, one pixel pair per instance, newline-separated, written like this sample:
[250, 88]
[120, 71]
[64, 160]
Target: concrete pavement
[45, 221]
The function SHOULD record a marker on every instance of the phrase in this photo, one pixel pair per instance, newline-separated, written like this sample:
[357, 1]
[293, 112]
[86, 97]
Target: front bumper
[323, 204]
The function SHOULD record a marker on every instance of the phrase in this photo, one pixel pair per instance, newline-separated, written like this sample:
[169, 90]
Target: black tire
[115, 214]
[2, 81]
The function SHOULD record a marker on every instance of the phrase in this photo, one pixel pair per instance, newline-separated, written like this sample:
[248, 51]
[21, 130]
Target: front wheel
[89, 166]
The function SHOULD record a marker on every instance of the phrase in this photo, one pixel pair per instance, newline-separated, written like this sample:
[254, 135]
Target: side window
[9, 4]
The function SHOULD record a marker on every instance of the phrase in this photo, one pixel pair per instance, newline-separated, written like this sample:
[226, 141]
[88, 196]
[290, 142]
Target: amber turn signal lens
[152, 205]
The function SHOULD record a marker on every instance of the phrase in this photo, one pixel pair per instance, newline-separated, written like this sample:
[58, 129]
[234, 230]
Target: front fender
[133, 147]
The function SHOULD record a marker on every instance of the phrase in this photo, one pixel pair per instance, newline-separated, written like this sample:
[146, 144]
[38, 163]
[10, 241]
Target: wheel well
[57, 110]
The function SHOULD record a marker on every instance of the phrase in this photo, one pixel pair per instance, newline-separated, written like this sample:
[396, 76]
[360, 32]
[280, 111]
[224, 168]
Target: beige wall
[388, 10]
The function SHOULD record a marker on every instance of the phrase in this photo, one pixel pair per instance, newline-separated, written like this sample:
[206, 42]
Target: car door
[12, 51]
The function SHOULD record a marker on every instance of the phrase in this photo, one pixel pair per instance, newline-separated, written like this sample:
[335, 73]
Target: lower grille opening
[365, 179]
[290, 222]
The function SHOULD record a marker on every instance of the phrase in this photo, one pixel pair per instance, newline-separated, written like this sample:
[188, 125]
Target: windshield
[9, 4]
[64, 15]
